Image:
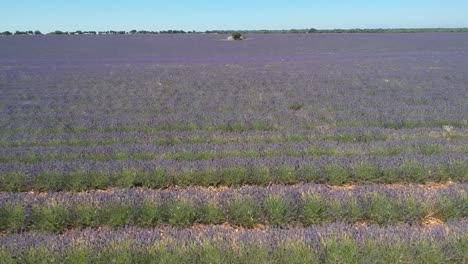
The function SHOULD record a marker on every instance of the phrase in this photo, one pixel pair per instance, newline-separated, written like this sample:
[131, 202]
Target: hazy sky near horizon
[49, 15]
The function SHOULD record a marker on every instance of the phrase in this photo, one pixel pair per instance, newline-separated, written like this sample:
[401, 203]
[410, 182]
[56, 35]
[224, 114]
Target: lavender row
[227, 124]
[210, 152]
[164, 138]
[290, 142]
[392, 191]
[217, 244]
[320, 161]
[334, 171]
[301, 205]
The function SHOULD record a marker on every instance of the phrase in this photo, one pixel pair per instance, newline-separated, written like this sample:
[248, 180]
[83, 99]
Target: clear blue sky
[48, 15]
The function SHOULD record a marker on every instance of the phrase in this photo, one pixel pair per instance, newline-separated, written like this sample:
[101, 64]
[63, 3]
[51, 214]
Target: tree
[312, 30]
[37, 32]
[133, 31]
[237, 36]
[7, 33]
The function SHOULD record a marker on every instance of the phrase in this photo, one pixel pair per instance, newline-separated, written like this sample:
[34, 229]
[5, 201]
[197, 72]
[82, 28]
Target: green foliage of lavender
[333, 172]
[247, 207]
[332, 243]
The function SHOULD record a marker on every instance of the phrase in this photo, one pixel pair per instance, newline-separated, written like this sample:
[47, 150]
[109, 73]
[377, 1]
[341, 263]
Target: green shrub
[13, 217]
[381, 209]
[185, 177]
[343, 210]
[295, 106]
[429, 149]
[206, 177]
[52, 217]
[234, 176]
[154, 179]
[340, 250]
[314, 209]
[85, 215]
[207, 252]
[277, 210]
[260, 175]
[317, 151]
[458, 170]
[127, 178]
[391, 175]
[309, 174]
[243, 211]
[211, 213]
[336, 174]
[49, 180]
[399, 124]
[159, 252]
[387, 151]
[284, 174]
[350, 210]
[119, 252]
[412, 210]
[381, 253]
[117, 214]
[6, 257]
[365, 172]
[251, 253]
[75, 181]
[97, 179]
[181, 213]
[39, 255]
[78, 255]
[451, 207]
[414, 172]
[294, 252]
[13, 181]
[148, 214]
[261, 126]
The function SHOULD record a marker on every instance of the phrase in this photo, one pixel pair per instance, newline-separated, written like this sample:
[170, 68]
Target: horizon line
[242, 30]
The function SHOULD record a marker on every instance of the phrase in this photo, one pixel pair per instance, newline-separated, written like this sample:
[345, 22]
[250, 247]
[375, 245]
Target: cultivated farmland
[307, 148]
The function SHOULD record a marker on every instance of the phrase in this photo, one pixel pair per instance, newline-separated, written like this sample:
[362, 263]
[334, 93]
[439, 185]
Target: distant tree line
[357, 30]
[29, 32]
[110, 32]
[265, 31]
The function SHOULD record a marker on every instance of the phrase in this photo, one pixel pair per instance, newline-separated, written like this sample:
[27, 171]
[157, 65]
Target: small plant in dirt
[295, 106]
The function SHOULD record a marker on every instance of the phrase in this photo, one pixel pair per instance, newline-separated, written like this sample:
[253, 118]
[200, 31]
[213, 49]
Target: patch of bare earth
[428, 185]
[110, 190]
[342, 187]
[432, 222]
[437, 185]
[361, 223]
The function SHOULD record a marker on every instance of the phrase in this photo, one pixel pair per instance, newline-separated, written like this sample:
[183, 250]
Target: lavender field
[306, 148]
